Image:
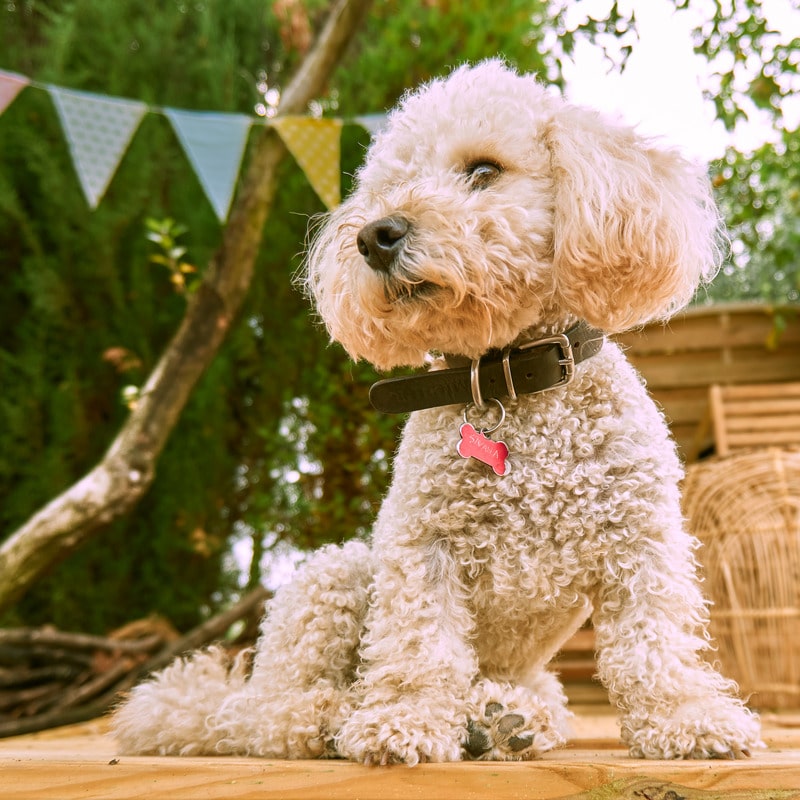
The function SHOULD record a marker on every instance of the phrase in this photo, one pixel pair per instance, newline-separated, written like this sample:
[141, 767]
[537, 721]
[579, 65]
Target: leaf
[764, 90]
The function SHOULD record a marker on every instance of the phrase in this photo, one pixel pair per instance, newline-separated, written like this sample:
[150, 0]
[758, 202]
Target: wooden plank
[575, 661]
[789, 424]
[717, 404]
[761, 439]
[80, 764]
[702, 368]
[582, 640]
[690, 445]
[715, 328]
[755, 415]
[647, 789]
[781, 408]
[684, 404]
[601, 773]
[574, 670]
[569, 773]
[685, 432]
[781, 396]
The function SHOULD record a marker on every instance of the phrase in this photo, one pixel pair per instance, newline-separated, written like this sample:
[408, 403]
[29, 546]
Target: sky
[660, 89]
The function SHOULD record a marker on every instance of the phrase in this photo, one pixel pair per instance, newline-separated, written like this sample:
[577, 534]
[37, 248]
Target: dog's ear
[635, 227]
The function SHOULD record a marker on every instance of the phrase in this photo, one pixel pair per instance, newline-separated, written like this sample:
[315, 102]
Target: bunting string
[99, 128]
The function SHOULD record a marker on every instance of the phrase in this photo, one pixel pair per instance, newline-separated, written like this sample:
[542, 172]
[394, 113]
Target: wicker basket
[745, 508]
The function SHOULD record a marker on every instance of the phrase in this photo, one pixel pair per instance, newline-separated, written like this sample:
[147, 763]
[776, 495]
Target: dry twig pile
[50, 678]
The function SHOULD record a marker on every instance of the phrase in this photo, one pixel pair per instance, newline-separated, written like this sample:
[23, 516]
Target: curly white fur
[431, 644]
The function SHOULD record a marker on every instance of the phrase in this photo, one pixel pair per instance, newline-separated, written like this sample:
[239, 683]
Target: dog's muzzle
[381, 241]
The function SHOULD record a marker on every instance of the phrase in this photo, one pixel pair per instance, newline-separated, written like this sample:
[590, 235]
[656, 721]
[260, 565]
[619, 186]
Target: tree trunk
[126, 471]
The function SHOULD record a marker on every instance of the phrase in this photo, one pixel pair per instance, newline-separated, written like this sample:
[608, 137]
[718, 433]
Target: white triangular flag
[11, 84]
[214, 143]
[316, 146]
[98, 130]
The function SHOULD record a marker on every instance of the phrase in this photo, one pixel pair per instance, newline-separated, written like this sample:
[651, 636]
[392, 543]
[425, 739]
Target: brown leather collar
[531, 367]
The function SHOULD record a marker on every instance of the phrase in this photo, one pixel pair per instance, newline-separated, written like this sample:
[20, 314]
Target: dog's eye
[482, 174]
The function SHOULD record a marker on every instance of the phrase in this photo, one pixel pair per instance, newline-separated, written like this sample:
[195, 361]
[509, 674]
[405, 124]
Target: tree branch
[126, 471]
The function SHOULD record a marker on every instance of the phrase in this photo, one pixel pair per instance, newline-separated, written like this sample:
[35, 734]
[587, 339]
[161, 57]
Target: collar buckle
[566, 362]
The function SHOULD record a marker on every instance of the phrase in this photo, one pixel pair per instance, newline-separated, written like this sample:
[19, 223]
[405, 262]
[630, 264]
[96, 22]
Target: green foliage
[759, 195]
[753, 69]
[747, 56]
[164, 234]
[611, 28]
[405, 44]
[85, 313]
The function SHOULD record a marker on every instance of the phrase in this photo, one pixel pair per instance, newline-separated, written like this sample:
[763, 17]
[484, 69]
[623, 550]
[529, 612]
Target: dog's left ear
[635, 227]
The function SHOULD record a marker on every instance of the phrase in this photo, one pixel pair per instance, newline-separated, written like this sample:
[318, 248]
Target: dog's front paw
[720, 729]
[508, 725]
[403, 733]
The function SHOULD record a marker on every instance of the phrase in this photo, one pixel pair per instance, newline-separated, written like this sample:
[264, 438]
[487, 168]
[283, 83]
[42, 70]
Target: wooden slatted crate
[707, 345]
[755, 415]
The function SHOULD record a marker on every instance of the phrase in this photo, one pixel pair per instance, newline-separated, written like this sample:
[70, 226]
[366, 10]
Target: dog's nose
[380, 241]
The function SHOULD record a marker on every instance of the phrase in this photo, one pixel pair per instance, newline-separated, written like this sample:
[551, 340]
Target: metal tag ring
[499, 422]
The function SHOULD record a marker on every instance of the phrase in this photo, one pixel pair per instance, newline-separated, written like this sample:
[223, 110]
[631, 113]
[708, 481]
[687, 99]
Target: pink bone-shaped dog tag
[476, 444]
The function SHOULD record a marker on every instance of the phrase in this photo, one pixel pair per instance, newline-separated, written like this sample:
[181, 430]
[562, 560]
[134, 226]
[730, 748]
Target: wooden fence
[724, 344]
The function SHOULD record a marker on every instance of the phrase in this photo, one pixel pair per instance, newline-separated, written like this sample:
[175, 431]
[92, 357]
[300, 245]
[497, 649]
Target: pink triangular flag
[11, 84]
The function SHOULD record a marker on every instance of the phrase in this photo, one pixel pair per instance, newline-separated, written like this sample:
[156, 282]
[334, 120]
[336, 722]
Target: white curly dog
[497, 232]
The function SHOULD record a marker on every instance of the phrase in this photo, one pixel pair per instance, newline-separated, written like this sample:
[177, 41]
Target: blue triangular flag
[214, 144]
[98, 130]
[374, 123]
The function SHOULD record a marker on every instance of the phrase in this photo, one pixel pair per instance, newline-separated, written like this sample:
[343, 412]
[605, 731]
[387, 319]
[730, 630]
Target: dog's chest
[531, 561]
[524, 537]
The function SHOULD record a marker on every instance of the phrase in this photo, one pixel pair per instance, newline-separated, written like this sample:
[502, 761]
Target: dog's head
[489, 206]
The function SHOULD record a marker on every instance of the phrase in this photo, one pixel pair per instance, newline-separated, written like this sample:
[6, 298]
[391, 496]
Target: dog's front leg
[417, 664]
[650, 629]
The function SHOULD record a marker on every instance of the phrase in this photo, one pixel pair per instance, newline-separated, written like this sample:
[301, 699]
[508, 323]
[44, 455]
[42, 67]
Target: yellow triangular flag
[316, 146]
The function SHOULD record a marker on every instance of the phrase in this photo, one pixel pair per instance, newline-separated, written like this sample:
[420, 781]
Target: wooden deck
[80, 762]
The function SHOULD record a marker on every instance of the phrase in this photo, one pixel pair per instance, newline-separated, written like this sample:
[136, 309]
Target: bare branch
[78, 641]
[208, 631]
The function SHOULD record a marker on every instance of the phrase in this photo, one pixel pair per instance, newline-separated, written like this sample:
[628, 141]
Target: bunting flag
[316, 146]
[11, 85]
[98, 130]
[214, 143]
[374, 123]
